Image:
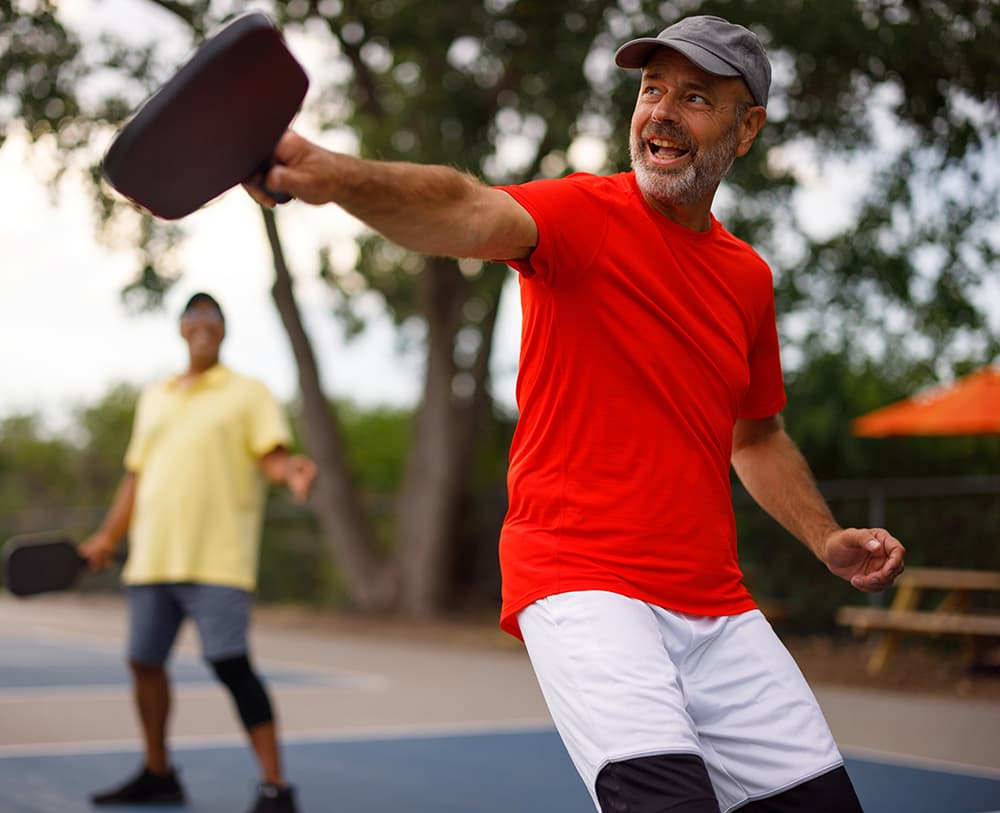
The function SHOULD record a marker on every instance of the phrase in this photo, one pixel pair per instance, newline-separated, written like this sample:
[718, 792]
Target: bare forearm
[275, 466]
[776, 475]
[119, 515]
[432, 209]
[99, 548]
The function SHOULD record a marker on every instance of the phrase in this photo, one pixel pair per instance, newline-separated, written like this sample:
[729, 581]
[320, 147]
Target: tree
[62, 481]
[904, 92]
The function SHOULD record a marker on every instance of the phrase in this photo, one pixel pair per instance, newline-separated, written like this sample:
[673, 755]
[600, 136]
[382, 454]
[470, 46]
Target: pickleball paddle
[41, 563]
[213, 125]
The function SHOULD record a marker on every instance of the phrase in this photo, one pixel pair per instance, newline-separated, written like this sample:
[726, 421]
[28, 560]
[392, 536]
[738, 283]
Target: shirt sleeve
[571, 221]
[268, 427]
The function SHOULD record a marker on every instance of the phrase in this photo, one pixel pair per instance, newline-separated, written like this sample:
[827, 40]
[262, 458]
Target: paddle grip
[279, 197]
[257, 179]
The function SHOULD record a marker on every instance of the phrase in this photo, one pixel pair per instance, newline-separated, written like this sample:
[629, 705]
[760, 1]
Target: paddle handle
[257, 180]
[277, 197]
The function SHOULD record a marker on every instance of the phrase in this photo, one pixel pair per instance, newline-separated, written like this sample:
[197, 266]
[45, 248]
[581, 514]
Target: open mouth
[665, 150]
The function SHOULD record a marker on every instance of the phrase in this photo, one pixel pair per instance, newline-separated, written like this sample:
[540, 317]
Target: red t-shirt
[642, 342]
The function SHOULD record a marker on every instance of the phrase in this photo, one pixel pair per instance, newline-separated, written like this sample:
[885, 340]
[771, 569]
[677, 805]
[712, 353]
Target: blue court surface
[452, 767]
[496, 772]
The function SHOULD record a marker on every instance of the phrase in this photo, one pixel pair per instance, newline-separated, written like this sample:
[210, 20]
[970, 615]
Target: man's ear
[753, 121]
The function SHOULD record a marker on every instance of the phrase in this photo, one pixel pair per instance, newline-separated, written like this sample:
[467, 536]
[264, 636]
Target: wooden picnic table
[957, 611]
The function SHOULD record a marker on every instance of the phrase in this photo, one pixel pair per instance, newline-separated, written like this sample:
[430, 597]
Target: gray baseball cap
[714, 45]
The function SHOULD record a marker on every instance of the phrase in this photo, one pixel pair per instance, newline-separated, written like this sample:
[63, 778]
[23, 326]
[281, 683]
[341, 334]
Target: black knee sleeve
[664, 783]
[252, 702]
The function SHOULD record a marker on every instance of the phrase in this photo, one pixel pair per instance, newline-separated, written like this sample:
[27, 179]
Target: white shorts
[625, 679]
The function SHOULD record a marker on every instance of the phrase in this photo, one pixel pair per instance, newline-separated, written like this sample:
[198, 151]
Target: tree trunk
[346, 530]
[429, 498]
[474, 570]
[443, 451]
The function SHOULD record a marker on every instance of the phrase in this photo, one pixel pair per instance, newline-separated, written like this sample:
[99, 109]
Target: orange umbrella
[969, 406]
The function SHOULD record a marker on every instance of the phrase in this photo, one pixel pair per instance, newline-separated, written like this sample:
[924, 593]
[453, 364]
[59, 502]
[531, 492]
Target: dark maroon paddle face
[213, 125]
[40, 563]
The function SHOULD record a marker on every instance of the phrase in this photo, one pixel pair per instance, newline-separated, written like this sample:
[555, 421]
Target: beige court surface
[388, 679]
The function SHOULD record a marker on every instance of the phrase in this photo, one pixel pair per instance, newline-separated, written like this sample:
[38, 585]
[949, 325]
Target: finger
[894, 561]
[891, 570]
[869, 583]
[277, 181]
[890, 547]
[289, 144]
[259, 195]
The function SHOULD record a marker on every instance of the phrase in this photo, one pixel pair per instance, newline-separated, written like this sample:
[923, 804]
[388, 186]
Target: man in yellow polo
[192, 501]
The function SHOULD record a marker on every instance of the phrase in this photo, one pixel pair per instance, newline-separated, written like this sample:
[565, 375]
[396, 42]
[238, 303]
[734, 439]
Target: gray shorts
[222, 615]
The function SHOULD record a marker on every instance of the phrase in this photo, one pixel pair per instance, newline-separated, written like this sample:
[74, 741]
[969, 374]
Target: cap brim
[636, 53]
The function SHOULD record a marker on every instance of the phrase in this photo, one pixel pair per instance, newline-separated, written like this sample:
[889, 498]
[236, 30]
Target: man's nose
[666, 108]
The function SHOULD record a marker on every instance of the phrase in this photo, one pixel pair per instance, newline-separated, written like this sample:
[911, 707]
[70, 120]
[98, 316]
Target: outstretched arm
[432, 209]
[774, 472]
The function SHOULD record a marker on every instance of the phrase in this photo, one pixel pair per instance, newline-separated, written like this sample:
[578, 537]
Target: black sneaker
[272, 799]
[145, 788]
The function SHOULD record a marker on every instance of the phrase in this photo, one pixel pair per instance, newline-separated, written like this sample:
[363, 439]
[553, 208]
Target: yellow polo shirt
[200, 493]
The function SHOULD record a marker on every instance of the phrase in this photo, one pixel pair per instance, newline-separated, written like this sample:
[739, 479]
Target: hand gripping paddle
[41, 563]
[212, 126]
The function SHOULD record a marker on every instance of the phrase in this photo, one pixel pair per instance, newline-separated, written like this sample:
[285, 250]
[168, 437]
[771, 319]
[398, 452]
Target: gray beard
[696, 181]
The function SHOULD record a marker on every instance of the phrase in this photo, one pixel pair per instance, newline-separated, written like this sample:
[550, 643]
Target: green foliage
[943, 530]
[475, 566]
[37, 473]
[379, 441]
[105, 427]
[907, 91]
[293, 567]
[66, 481]
[50, 481]
[39, 70]
[826, 394]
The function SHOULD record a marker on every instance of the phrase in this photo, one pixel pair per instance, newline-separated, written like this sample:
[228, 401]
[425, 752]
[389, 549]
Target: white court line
[56, 636]
[350, 678]
[929, 763]
[529, 725]
[51, 694]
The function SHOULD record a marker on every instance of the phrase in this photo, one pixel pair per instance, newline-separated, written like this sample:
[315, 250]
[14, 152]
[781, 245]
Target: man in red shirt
[649, 364]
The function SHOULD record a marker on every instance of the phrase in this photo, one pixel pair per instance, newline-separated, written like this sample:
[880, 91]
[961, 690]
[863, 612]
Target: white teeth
[669, 145]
